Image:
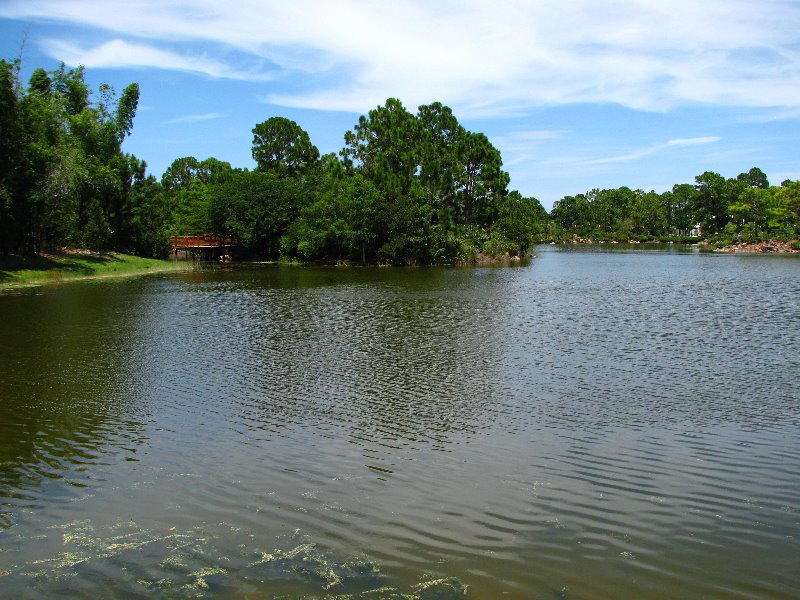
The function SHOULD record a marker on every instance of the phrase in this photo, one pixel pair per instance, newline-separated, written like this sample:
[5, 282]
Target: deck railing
[200, 241]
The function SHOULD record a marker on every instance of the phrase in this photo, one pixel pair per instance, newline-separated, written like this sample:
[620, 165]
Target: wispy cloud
[693, 141]
[481, 58]
[518, 146]
[524, 139]
[644, 152]
[119, 53]
[773, 115]
[196, 118]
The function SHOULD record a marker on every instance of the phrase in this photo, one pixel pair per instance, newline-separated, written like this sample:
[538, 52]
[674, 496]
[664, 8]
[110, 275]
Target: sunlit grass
[69, 265]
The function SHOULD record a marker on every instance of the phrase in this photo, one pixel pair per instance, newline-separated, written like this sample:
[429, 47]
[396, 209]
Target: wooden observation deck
[202, 246]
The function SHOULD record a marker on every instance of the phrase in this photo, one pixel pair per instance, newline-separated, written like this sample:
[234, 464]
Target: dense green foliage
[405, 189]
[281, 146]
[742, 209]
[64, 180]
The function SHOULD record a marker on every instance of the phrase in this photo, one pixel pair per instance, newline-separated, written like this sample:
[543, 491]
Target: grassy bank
[78, 264]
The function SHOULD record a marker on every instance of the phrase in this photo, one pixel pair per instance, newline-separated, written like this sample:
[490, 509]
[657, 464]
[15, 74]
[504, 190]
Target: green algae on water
[196, 563]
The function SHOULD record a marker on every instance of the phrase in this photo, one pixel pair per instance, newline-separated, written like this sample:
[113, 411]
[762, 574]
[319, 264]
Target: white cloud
[197, 118]
[517, 147]
[642, 153]
[120, 54]
[481, 58]
[693, 141]
[636, 155]
[526, 138]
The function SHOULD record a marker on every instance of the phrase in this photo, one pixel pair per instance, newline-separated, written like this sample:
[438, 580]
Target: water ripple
[590, 423]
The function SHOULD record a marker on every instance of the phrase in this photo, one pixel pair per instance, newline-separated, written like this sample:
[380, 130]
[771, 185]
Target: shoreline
[65, 265]
[767, 247]
[771, 247]
[54, 268]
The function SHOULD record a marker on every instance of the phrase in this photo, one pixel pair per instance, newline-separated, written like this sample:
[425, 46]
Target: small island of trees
[405, 189]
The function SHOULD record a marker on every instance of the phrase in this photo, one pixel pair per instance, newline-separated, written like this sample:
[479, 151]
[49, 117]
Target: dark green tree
[71, 86]
[610, 211]
[521, 222]
[439, 167]
[282, 147]
[256, 208]
[181, 174]
[648, 214]
[384, 147]
[572, 214]
[754, 178]
[40, 83]
[480, 182]
[148, 217]
[9, 150]
[711, 201]
[679, 206]
[340, 224]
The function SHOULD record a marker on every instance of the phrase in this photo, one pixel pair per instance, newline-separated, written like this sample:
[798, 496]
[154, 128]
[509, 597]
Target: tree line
[741, 209]
[407, 188]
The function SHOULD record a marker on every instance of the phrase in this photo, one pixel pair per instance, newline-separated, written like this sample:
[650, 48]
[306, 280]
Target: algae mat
[192, 564]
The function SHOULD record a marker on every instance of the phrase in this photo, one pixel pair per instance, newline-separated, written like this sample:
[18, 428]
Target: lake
[593, 423]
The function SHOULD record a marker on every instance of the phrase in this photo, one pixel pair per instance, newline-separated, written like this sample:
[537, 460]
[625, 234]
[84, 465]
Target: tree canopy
[405, 188]
[64, 179]
[282, 147]
[745, 208]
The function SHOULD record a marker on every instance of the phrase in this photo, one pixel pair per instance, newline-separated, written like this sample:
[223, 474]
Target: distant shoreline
[771, 247]
[766, 247]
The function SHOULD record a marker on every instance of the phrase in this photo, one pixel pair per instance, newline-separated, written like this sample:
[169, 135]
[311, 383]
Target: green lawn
[64, 266]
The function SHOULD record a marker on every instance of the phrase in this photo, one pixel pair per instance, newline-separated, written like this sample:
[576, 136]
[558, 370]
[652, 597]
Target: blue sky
[577, 95]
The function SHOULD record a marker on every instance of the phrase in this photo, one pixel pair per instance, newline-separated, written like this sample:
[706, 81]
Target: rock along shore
[762, 248]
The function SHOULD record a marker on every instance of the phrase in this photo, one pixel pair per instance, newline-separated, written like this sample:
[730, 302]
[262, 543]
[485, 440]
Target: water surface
[591, 424]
